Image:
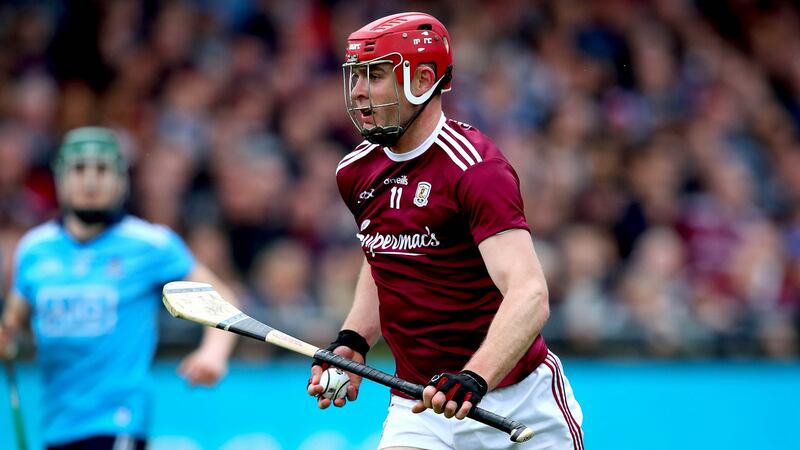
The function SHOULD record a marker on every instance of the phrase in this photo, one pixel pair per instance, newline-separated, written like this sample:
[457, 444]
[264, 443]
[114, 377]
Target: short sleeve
[344, 191]
[490, 199]
[176, 260]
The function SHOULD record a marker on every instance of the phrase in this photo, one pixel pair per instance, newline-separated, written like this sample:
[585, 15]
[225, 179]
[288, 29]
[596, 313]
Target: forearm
[515, 269]
[218, 341]
[15, 314]
[518, 321]
[363, 316]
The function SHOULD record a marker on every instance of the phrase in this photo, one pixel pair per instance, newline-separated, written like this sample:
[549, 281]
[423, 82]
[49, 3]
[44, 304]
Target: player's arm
[515, 269]
[209, 362]
[363, 319]
[16, 313]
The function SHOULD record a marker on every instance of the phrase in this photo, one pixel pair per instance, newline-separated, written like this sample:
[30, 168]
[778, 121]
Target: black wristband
[482, 384]
[352, 339]
[348, 338]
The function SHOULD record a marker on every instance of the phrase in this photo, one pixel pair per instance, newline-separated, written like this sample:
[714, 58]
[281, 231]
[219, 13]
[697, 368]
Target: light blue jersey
[94, 316]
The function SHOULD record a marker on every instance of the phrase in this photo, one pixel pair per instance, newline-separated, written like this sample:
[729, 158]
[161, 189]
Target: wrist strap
[477, 379]
[353, 340]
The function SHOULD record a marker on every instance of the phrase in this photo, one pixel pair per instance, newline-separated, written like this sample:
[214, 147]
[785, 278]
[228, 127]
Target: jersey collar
[399, 157]
[115, 220]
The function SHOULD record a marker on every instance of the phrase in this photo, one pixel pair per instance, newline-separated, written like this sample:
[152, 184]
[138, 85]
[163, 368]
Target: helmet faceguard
[404, 41]
[91, 145]
[383, 134]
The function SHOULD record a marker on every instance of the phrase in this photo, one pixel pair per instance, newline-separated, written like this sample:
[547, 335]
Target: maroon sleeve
[345, 191]
[490, 199]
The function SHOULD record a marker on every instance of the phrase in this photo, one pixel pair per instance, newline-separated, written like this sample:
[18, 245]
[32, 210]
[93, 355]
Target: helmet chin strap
[96, 216]
[383, 136]
[389, 136]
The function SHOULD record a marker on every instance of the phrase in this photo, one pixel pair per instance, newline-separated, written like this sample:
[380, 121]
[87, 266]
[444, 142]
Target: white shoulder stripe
[364, 144]
[466, 143]
[358, 153]
[458, 147]
[355, 156]
[452, 156]
[358, 148]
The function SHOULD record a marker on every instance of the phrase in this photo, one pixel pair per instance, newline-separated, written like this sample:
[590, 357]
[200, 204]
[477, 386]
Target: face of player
[91, 184]
[376, 96]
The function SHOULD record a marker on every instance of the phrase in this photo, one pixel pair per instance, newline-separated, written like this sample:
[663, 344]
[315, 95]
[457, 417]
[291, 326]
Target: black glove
[348, 338]
[465, 386]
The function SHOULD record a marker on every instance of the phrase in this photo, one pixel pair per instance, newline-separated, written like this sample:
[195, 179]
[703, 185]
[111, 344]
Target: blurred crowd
[656, 142]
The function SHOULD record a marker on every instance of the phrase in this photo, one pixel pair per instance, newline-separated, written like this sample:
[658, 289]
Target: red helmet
[407, 39]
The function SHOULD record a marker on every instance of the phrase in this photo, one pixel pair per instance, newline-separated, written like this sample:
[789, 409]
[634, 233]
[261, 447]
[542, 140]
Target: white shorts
[543, 401]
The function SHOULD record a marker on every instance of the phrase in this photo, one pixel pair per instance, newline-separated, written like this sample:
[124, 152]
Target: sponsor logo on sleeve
[366, 195]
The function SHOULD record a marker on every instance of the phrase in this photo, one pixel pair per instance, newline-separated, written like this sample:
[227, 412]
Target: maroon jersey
[421, 216]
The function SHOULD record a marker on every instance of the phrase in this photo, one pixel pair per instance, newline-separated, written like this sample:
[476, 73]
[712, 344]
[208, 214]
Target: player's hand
[204, 367]
[315, 389]
[452, 394]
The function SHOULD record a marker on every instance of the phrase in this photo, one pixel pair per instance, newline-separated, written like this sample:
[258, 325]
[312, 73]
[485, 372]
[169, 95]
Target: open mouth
[365, 115]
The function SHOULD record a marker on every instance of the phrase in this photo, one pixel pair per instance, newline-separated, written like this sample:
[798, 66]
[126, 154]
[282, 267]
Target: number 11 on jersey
[394, 201]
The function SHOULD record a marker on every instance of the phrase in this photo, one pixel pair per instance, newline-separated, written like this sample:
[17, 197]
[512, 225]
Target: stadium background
[656, 141]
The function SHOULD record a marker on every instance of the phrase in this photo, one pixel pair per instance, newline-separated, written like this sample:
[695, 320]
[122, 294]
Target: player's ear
[424, 79]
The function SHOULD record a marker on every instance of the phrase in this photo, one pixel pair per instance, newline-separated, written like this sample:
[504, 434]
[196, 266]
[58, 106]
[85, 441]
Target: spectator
[627, 122]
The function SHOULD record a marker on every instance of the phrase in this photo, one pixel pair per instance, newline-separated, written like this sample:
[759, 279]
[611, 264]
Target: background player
[90, 283]
[451, 279]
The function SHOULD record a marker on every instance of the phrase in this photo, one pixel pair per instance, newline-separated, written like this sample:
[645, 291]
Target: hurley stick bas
[199, 302]
[8, 356]
[16, 410]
